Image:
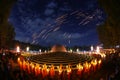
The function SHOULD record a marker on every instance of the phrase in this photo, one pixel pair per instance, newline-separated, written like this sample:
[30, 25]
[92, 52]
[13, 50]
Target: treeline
[7, 33]
[80, 48]
[109, 31]
[24, 45]
[37, 47]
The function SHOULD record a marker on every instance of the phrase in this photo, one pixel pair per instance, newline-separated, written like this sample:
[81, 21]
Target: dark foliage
[7, 33]
[109, 33]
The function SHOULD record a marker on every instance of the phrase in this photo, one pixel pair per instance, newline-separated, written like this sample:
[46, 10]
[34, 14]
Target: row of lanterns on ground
[35, 68]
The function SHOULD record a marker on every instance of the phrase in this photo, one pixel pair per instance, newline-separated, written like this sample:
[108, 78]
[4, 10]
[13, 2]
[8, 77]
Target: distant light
[84, 51]
[39, 50]
[98, 49]
[92, 48]
[77, 50]
[27, 49]
[28, 59]
[103, 55]
[45, 51]
[118, 46]
[18, 49]
[71, 50]
[3, 54]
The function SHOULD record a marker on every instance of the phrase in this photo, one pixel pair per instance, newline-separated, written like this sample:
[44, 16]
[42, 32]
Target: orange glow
[33, 66]
[68, 69]
[79, 67]
[60, 69]
[94, 62]
[24, 65]
[52, 71]
[20, 63]
[18, 59]
[86, 67]
[28, 67]
[44, 70]
[99, 62]
[37, 69]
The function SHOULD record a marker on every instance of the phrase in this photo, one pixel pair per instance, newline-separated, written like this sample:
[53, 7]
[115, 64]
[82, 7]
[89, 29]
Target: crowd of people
[9, 69]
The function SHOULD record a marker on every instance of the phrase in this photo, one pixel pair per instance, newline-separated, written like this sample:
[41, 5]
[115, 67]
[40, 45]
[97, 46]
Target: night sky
[49, 22]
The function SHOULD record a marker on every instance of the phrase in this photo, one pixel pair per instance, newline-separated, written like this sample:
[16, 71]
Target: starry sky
[49, 22]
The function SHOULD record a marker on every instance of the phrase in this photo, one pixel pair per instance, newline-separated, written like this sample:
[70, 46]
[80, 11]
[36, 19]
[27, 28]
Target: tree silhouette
[7, 33]
[109, 31]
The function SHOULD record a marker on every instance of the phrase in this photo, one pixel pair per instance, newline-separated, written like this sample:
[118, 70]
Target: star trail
[49, 22]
